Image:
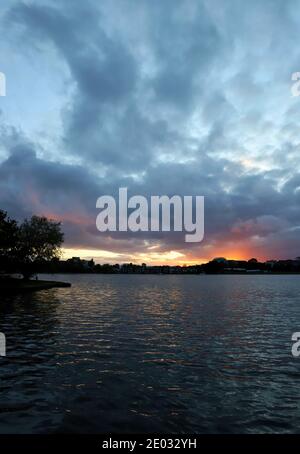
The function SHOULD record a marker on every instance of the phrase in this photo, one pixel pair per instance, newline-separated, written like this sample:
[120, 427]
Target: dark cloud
[252, 210]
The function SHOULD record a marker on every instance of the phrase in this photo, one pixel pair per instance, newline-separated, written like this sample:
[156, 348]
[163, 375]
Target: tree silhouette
[40, 240]
[23, 247]
[9, 234]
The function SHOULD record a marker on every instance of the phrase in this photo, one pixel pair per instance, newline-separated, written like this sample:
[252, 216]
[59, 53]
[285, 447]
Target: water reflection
[152, 354]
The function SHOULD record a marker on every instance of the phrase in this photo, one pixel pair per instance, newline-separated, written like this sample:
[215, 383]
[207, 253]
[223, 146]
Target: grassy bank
[21, 286]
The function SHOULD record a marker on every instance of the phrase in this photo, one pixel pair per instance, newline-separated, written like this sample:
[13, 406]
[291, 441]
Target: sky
[185, 97]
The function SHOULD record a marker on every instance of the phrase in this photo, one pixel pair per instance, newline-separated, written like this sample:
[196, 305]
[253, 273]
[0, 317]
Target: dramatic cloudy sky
[188, 97]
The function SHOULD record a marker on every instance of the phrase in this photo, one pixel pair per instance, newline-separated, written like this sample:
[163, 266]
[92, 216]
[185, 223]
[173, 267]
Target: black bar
[135, 443]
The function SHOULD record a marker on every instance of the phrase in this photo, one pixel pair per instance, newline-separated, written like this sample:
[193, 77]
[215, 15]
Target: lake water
[176, 354]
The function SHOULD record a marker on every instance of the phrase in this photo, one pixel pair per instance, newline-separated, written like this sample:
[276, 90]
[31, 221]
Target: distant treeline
[216, 266]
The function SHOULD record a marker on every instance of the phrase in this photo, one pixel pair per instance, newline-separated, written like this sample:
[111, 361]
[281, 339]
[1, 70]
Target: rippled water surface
[201, 354]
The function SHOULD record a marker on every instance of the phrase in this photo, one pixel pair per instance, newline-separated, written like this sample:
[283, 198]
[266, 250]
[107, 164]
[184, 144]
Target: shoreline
[10, 286]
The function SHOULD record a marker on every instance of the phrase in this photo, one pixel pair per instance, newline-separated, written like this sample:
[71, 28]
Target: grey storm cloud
[173, 97]
[67, 192]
